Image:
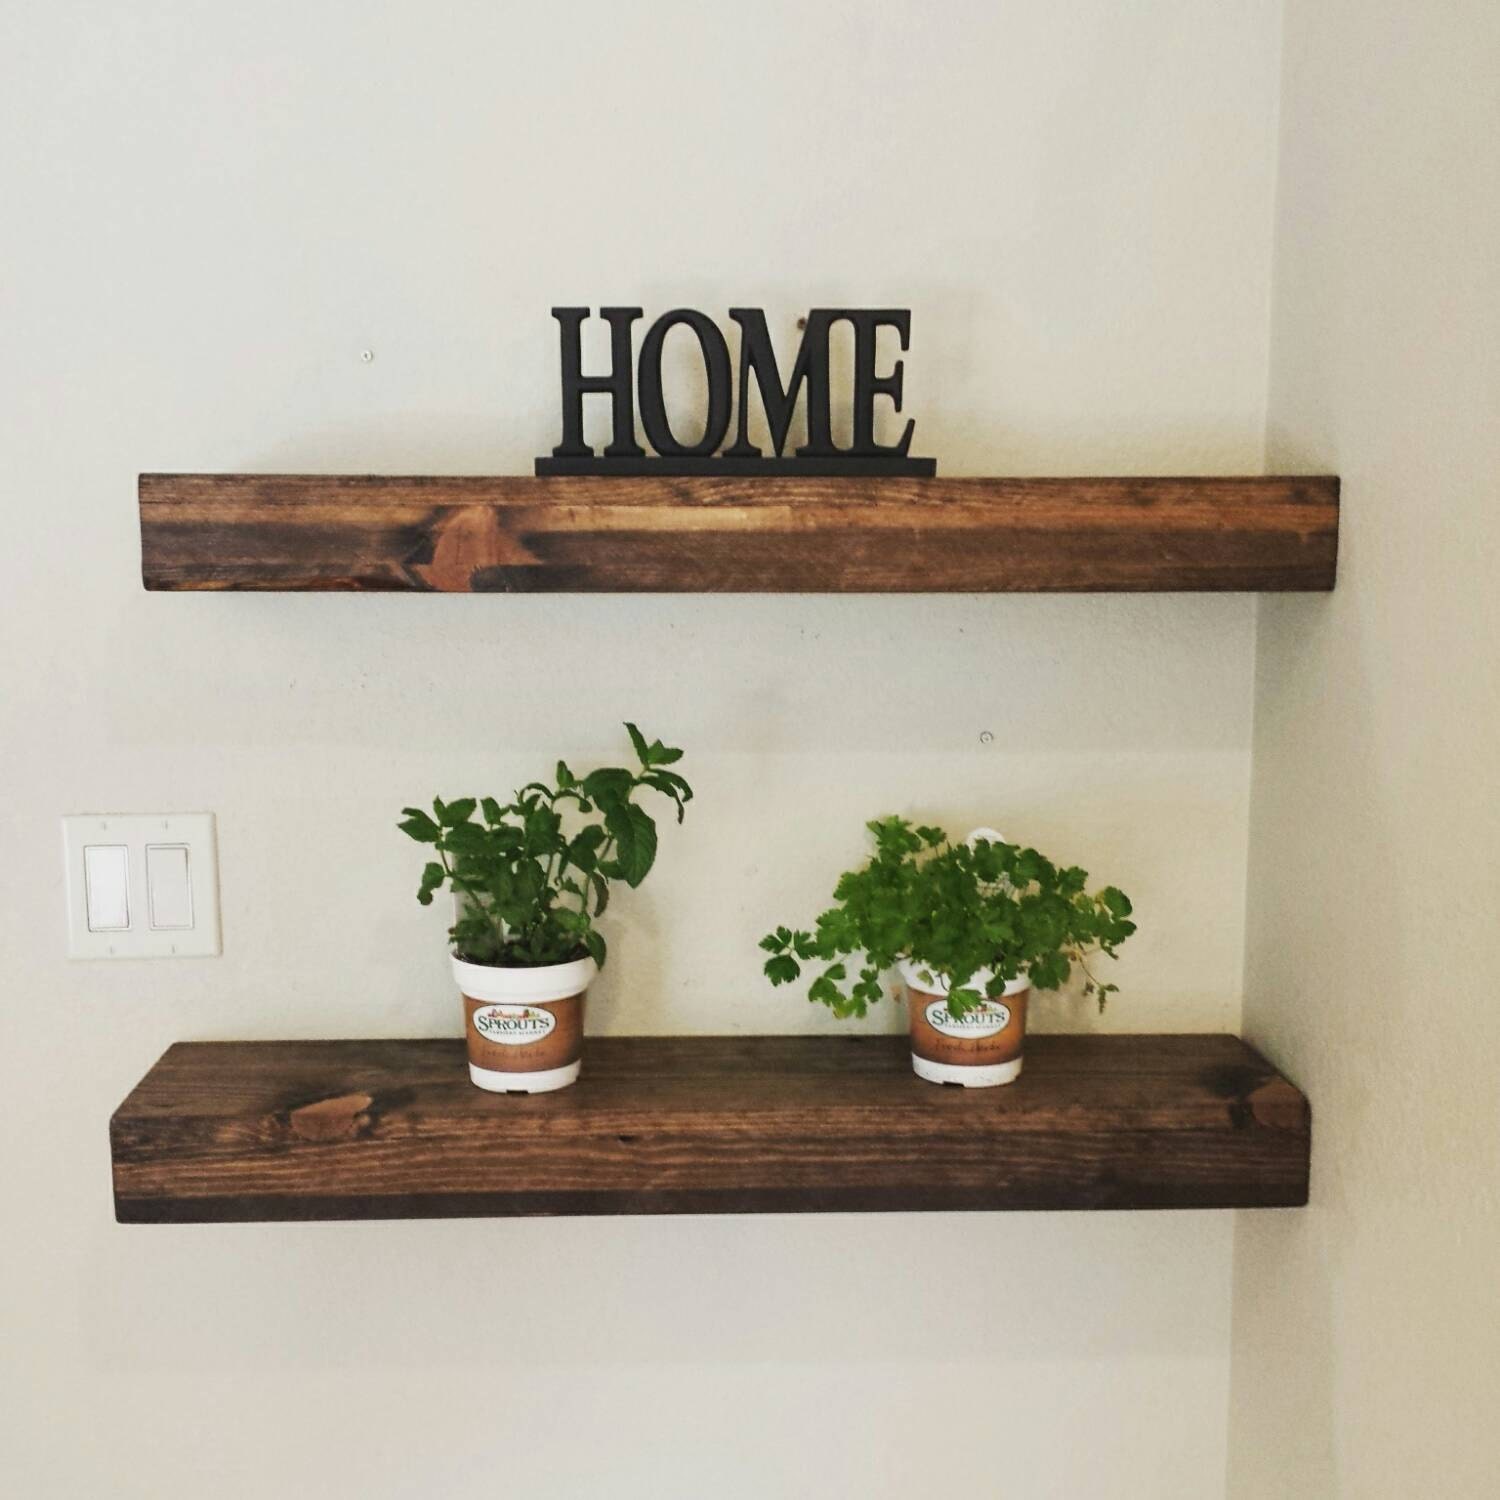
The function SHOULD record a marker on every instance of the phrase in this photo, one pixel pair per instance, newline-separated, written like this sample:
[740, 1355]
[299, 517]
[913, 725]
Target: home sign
[630, 383]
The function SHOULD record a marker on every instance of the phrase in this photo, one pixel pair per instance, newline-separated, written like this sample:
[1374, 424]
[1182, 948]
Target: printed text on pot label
[988, 1018]
[513, 1025]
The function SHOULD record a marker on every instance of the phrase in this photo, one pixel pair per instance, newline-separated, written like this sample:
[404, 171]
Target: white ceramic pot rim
[919, 977]
[537, 986]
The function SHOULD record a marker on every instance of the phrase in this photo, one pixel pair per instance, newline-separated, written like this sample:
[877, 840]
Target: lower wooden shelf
[221, 1131]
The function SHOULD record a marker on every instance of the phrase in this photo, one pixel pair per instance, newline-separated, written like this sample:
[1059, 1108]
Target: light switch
[142, 886]
[106, 879]
[168, 890]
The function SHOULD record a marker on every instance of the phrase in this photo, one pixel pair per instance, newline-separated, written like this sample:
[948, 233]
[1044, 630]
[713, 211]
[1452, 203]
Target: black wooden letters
[808, 380]
[716, 361]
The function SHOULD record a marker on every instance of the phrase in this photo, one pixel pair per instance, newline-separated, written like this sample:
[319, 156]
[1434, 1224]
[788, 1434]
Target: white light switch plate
[142, 885]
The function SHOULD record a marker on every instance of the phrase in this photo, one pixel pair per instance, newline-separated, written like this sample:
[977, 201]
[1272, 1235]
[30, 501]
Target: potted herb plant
[973, 927]
[529, 878]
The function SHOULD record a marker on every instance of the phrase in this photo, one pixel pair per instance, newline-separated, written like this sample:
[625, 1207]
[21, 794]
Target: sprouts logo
[988, 1018]
[513, 1025]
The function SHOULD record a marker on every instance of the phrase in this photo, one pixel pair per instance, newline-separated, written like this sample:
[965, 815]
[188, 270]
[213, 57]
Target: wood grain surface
[393, 1129]
[794, 534]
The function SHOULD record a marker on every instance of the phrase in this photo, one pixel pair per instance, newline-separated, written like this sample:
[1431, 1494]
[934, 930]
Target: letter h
[618, 384]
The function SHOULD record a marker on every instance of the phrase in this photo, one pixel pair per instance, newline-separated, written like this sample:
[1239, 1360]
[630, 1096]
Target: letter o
[715, 362]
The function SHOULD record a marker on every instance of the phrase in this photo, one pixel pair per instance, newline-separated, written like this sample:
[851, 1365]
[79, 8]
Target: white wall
[1365, 1328]
[208, 214]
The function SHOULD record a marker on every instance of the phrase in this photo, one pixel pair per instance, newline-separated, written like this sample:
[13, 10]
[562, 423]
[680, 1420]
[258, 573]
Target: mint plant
[953, 909]
[529, 880]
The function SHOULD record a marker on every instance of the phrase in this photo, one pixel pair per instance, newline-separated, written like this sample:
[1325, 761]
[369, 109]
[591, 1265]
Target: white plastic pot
[982, 1049]
[524, 1027]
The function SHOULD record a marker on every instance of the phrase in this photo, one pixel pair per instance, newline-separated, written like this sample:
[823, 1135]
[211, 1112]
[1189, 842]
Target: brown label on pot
[512, 1036]
[993, 1031]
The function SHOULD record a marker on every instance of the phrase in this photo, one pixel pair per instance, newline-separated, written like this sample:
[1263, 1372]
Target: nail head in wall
[367, 355]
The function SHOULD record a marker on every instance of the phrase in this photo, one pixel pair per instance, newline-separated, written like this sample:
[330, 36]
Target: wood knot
[470, 539]
[343, 1118]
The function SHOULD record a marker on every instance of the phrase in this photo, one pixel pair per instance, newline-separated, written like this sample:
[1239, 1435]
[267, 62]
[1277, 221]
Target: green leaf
[653, 754]
[608, 785]
[585, 843]
[782, 969]
[634, 834]
[825, 991]
[493, 812]
[433, 875]
[417, 825]
[596, 947]
[670, 783]
[672, 786]
[601, 893]
[962, 1001]
[467, 838]
[454, 813]
[543, 830]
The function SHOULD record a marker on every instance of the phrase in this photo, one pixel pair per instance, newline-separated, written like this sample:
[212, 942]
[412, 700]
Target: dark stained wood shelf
[736, 534]
[393, 1129]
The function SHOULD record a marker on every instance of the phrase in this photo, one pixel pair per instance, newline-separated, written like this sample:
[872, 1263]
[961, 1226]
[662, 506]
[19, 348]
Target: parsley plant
[954, 909]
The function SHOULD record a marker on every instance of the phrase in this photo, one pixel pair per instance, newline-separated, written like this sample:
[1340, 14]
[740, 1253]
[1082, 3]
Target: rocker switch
[106, 877]
[169, 889]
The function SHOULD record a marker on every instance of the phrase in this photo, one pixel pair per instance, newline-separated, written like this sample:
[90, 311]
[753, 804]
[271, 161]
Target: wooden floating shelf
[736, 534]
[221, 1131]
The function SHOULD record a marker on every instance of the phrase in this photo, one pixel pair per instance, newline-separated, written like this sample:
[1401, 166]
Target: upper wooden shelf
[391, 1129]
[742, 534]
